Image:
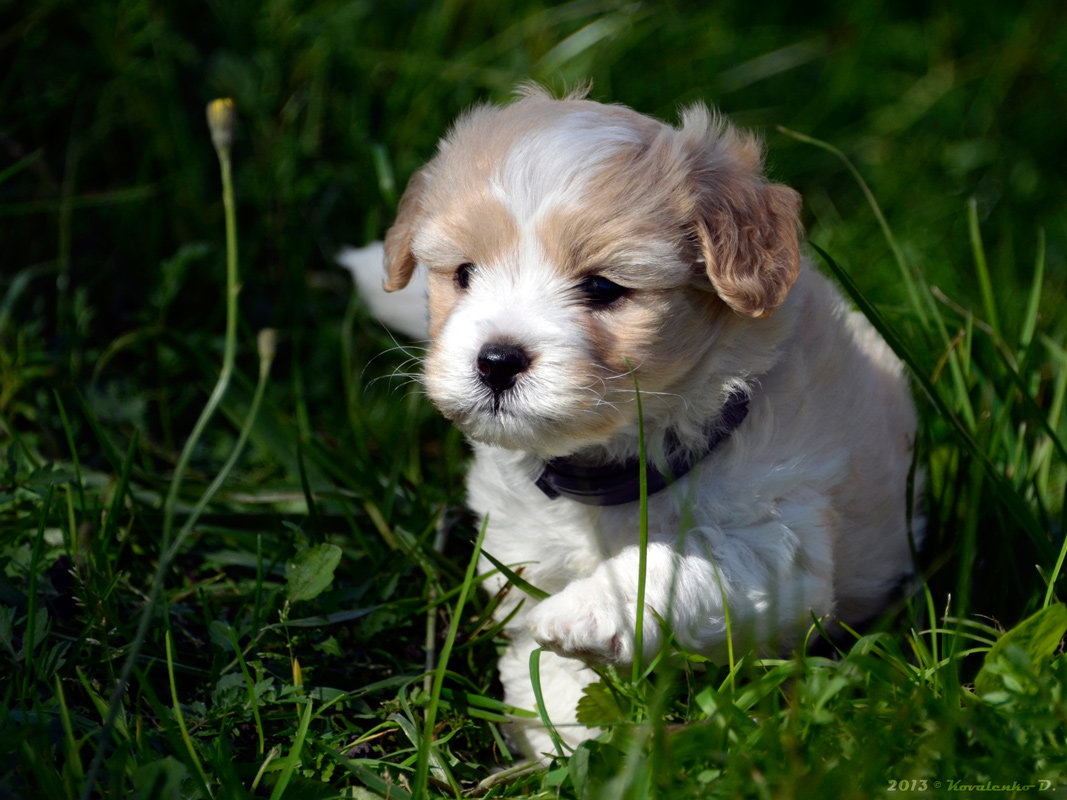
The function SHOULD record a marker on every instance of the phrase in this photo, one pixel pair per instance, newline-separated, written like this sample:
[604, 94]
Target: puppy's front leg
[764, 577]
[562, 682]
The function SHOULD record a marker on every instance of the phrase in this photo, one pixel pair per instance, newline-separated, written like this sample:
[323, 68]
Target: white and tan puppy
[573, 248]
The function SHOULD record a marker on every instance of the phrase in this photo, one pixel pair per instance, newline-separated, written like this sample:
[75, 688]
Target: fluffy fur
[801, 510]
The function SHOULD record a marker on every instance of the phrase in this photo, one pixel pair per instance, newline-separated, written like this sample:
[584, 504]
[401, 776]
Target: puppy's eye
[600, 291]
[462, 275]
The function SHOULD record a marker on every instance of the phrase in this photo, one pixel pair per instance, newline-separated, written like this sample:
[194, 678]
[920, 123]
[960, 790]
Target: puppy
[575, 250]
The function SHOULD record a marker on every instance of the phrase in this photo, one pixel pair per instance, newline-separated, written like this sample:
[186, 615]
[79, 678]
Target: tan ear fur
[749, 235]
[748, 230]
[399, 260]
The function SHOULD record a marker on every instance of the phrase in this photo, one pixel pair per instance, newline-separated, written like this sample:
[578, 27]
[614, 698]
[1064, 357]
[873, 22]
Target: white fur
[800, 510]
[547, 168]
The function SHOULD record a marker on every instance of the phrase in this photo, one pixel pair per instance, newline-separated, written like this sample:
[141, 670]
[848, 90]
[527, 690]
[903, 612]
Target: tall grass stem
[642, 553]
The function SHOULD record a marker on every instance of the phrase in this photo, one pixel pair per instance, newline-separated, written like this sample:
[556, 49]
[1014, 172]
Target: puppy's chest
[557, 541]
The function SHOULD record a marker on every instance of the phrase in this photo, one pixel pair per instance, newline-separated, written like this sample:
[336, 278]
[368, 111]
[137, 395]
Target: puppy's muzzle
[499, 364]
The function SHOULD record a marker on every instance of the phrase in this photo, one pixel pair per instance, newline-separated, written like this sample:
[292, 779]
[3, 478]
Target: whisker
[410, 354]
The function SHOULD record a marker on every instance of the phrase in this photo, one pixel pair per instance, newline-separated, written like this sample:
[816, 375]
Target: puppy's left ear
[749, 238]
[748, 230]
[399, 260]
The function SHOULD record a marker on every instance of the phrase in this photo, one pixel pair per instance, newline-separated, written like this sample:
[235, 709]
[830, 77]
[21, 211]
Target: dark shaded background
[101, 114]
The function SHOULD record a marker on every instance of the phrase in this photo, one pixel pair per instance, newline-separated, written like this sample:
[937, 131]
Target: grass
[300, 562]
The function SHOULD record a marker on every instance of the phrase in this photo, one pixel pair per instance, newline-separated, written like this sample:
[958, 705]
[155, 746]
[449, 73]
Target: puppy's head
[574, 246]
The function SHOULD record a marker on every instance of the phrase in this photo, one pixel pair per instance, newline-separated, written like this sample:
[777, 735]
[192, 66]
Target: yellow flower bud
[222, 120]
[298, 675]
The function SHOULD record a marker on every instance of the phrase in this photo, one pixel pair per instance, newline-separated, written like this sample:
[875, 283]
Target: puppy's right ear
[399, 260]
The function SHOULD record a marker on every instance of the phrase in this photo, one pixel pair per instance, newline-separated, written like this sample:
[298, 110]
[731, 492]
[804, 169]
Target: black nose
[499, 364]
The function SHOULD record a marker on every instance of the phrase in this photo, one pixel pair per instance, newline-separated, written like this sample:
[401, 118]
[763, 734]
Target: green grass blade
[71, 751]
[293, 760]
[1049, 591]
[179, 717]
[985, 285]
[516, 579]
[119, 729]
[731, 663]
[313, 522]
[1055, 405]
[367, 777]
[250, 686]
[122, 488]
[958, 364]
[642, 553]
[1033, 302]
[21, 164]
[539, 697]
[422, 767]
[75, 461]
[1046, 421]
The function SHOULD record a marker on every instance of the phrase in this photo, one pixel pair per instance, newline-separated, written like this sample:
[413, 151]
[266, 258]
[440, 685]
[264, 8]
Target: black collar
[618, 483]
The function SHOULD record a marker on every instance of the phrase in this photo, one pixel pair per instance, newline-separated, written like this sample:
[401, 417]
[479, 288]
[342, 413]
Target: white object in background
[404, 312]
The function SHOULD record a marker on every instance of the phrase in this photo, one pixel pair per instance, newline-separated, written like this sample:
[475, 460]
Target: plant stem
[642, 555]
[168, 549]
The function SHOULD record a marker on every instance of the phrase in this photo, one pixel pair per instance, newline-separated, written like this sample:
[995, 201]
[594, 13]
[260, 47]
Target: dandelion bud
[266, 340]
[222, 120]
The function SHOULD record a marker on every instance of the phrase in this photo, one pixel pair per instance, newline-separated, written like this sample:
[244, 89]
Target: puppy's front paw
[589, 622]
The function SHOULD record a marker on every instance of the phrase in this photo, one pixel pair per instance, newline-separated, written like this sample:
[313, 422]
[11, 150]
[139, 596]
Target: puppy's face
[573, 247]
